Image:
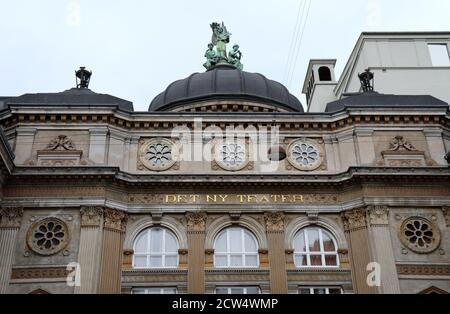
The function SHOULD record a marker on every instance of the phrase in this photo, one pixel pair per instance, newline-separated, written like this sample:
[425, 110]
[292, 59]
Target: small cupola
[320, 80]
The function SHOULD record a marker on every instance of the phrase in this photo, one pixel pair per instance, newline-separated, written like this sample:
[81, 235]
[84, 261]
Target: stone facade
[87, 184]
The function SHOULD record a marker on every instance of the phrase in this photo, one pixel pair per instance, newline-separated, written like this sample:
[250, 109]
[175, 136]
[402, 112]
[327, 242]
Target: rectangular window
[439, 55]
[154, 290]
[238, 290]
[320, 290]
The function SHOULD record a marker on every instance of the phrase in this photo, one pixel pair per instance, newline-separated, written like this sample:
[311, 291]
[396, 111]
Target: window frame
[322, 251]
[162, 290]
[311, 289]
[163, 254]
[229, 288]
[242, 254]
[446, 48]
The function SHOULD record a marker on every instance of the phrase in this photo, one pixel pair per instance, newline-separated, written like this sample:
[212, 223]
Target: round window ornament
[48, 236]
[420, 235]
[159, 154]
[232, 156]
[305, 155]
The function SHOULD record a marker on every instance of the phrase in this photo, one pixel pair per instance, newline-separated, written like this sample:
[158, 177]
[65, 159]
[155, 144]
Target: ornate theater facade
[226, 185]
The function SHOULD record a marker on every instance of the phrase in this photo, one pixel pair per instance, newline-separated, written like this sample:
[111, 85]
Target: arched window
[236, 247]
[324, 74]
[315, 247]
[155, 248]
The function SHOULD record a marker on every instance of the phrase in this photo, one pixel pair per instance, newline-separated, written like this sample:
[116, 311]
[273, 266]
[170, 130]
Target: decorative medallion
[305, 155]
[48, 236]
[232, 156]
[196, 221]
[399, 143]
[420, 235]
[62, 142]
[274, 221]
[159, 154]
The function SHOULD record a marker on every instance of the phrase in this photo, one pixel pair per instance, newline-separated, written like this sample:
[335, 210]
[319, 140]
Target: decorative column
[382, 250]
[356, 231]
[112, 250]
[11, 218]
[277, 255]
[196, 226]
[90, 252]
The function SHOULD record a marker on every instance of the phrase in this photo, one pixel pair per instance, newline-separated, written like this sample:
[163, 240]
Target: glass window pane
[335, 291]
[313, 238]
[156, 240]
[328, 244]
[154, 291]
[221, 243]
[171, 261]
[156, 261]
[170, 291]
[139, 291]
[237, 290]
[251, 260]
[250, 243]
[222, 290]
[331, 260]
[220, 261]
[299, 242]
[235, 240]
[252, 290]
[171, 242]
[304, 291]
[236, 260]
[141, 243]
[301, 260]
[319, 291]
[140, 261]
[316, 260]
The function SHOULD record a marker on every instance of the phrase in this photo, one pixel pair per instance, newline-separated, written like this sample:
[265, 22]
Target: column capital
[354, 219]
[378, 215]
[115, 219]
[196, 221]
[274, 221]
[91, 216]
[11, 217]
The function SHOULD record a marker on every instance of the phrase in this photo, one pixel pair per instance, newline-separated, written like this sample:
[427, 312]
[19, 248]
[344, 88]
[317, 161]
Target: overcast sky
[137, 47]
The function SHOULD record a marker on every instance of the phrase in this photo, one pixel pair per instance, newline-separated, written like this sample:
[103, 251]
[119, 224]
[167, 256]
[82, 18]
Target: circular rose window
[48, 236]
[305, 155]
[159, 154]
[231, 155]
[420, 235]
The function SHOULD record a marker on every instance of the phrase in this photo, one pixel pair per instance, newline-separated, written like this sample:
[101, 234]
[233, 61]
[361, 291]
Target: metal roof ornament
[366, 79]
[83, 77]
[217, 49]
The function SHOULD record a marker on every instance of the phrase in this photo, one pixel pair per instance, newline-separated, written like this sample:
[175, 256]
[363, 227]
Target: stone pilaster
[196, 226]
[357, 236]
[277, 255]
[112, 250]
[382, 251]
[89, 252]
[11, 218]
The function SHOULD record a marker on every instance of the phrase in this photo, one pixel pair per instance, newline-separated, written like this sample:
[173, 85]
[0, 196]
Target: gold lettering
[298, 198]
[241, 198]
[264, 199]
[252, 199]
[211, 198]
[284, 198]
[181, 199]
[171, 198]
[194, 198]
[223, 197]
[275, 198]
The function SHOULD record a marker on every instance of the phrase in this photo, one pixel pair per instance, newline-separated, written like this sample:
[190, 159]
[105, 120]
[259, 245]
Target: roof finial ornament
[366, 79]
[83, 77]
[217, 49]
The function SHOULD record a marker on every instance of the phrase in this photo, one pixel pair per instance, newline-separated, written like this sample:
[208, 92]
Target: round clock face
[231, 156]
[305, 155]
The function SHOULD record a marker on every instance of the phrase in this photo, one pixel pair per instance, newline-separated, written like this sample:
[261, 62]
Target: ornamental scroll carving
[91, 216]
[274, 221]
[61, 142]
[196, 221]
[399, 143]
[115, 219]
[11, 217]
[378, 215]
[354, 219]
